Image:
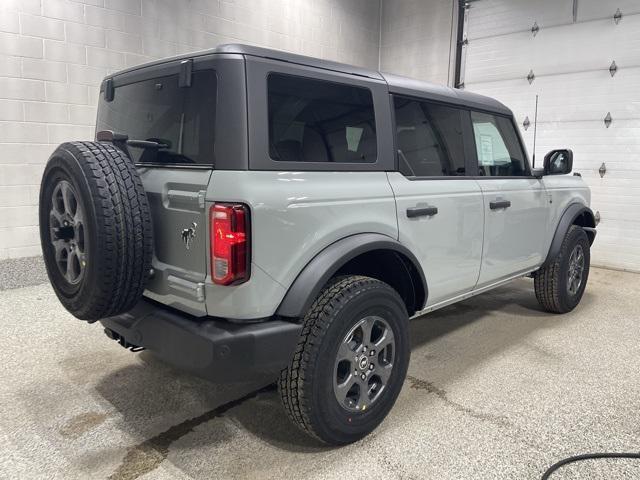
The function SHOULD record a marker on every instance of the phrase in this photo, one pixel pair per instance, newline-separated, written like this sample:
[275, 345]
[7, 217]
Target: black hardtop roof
[397, 84]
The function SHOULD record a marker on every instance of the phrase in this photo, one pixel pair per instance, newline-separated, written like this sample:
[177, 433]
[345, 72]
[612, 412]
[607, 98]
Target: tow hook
[122, 341]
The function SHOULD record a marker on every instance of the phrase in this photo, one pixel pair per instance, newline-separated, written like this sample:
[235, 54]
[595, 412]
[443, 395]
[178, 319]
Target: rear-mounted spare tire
[95, 229]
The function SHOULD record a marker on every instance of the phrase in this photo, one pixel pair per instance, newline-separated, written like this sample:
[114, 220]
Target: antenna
[535, 128]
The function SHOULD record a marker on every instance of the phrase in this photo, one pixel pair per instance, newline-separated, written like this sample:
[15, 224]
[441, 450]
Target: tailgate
[176, 197]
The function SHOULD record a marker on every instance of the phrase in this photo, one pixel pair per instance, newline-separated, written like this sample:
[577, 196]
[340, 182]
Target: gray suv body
[302, 210]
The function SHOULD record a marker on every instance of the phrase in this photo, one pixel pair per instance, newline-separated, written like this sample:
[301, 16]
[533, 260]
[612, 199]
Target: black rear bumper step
[214, 349]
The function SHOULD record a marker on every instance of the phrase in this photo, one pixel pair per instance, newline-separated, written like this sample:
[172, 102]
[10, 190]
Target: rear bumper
[214, 349]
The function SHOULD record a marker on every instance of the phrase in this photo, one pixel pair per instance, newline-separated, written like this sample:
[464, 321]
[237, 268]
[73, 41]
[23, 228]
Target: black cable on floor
[586, 456]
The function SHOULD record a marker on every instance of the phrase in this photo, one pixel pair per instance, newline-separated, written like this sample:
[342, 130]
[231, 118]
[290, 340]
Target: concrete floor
[496, 389]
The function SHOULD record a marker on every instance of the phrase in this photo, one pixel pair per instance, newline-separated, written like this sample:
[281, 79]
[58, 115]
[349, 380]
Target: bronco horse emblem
[188, 234]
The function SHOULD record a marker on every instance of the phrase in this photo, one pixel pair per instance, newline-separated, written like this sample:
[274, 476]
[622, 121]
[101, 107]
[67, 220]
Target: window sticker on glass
[353, 134]
[486, 150]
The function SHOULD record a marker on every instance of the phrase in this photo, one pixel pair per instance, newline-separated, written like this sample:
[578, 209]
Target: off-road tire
[550, 281]
[118, 235]
[306, 385]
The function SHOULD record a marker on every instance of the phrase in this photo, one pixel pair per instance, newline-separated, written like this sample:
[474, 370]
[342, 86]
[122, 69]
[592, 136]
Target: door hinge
[531, 77]
[602, 170]
[617, 16]
[194, 290]
[535, 29]
[187, 198]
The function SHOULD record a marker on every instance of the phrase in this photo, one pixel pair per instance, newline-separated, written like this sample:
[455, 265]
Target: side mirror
[558, 162]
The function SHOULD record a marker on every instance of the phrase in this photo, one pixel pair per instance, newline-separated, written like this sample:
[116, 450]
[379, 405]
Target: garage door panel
[498, 17]
[571, 99]
[591, 139]
[565, 49]
[616, 233]
[628, 192]
[615, 242]
[609, 256]
[598, 9]
[587, 95]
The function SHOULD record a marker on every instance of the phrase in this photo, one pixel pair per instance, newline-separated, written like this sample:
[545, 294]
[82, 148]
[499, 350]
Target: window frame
[230, 122]
[270, 126]
[258, 71]
[476, 167]
[471, 154]
[465, 135]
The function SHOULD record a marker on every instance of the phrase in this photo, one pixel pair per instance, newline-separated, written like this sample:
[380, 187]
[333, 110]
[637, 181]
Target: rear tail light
[229, 243]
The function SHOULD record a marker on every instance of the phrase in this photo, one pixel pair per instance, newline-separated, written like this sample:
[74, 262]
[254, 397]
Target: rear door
[440, 210]
[173, 105]
[515, 203]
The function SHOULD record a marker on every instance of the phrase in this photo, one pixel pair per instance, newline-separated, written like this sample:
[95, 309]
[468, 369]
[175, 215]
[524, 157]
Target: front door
[515, 203]
[440, 211]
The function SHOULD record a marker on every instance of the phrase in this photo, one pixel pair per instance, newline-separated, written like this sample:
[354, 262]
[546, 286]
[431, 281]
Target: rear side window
[428, 139]
[180, 119]
[317, 121]
[499, 151]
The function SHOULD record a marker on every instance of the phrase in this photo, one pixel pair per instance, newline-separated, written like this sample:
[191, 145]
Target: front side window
[316, 121]
[497, 145]
[179, 119]
[428, 139]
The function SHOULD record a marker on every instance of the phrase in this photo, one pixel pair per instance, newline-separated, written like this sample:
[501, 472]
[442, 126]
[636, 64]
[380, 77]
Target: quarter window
[316, 121]
[497, 145]
[429, 139]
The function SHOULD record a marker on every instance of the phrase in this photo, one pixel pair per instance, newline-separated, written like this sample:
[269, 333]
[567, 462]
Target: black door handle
[499, 204]
[414, 212]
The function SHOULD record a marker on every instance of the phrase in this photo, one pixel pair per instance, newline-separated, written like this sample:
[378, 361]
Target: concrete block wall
[416, 39]
[54, 53]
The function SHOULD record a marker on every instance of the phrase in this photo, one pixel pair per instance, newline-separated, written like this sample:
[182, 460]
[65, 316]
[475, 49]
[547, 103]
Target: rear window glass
[317, 121]
[180, 119]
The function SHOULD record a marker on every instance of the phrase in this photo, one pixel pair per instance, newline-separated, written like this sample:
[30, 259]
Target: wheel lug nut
[372, 353]
[363, 376]
[364, 349]
[371, 366]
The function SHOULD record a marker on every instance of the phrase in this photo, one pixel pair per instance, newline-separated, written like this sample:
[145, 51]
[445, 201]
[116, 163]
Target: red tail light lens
[229, 243]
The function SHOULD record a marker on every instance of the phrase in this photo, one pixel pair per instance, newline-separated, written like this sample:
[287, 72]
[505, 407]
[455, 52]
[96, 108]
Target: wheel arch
[370, 254]
[574, 214]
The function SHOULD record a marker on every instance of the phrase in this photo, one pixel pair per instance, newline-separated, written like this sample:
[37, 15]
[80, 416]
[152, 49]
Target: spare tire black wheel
[95, 229]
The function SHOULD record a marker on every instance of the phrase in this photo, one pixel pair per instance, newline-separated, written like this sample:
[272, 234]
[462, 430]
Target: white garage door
[569, 53]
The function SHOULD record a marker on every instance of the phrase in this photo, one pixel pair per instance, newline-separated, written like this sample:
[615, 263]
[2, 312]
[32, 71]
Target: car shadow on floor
[161, 405]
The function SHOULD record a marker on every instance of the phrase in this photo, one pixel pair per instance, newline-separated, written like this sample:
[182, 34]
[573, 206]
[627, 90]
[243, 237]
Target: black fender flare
[568, 218]
[324, 265]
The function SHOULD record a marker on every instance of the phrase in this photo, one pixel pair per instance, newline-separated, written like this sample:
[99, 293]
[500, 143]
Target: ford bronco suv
[249, 214]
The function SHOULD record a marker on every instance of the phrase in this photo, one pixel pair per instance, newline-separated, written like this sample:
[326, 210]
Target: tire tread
[546, 280]
[124, 231]
[299, 374]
